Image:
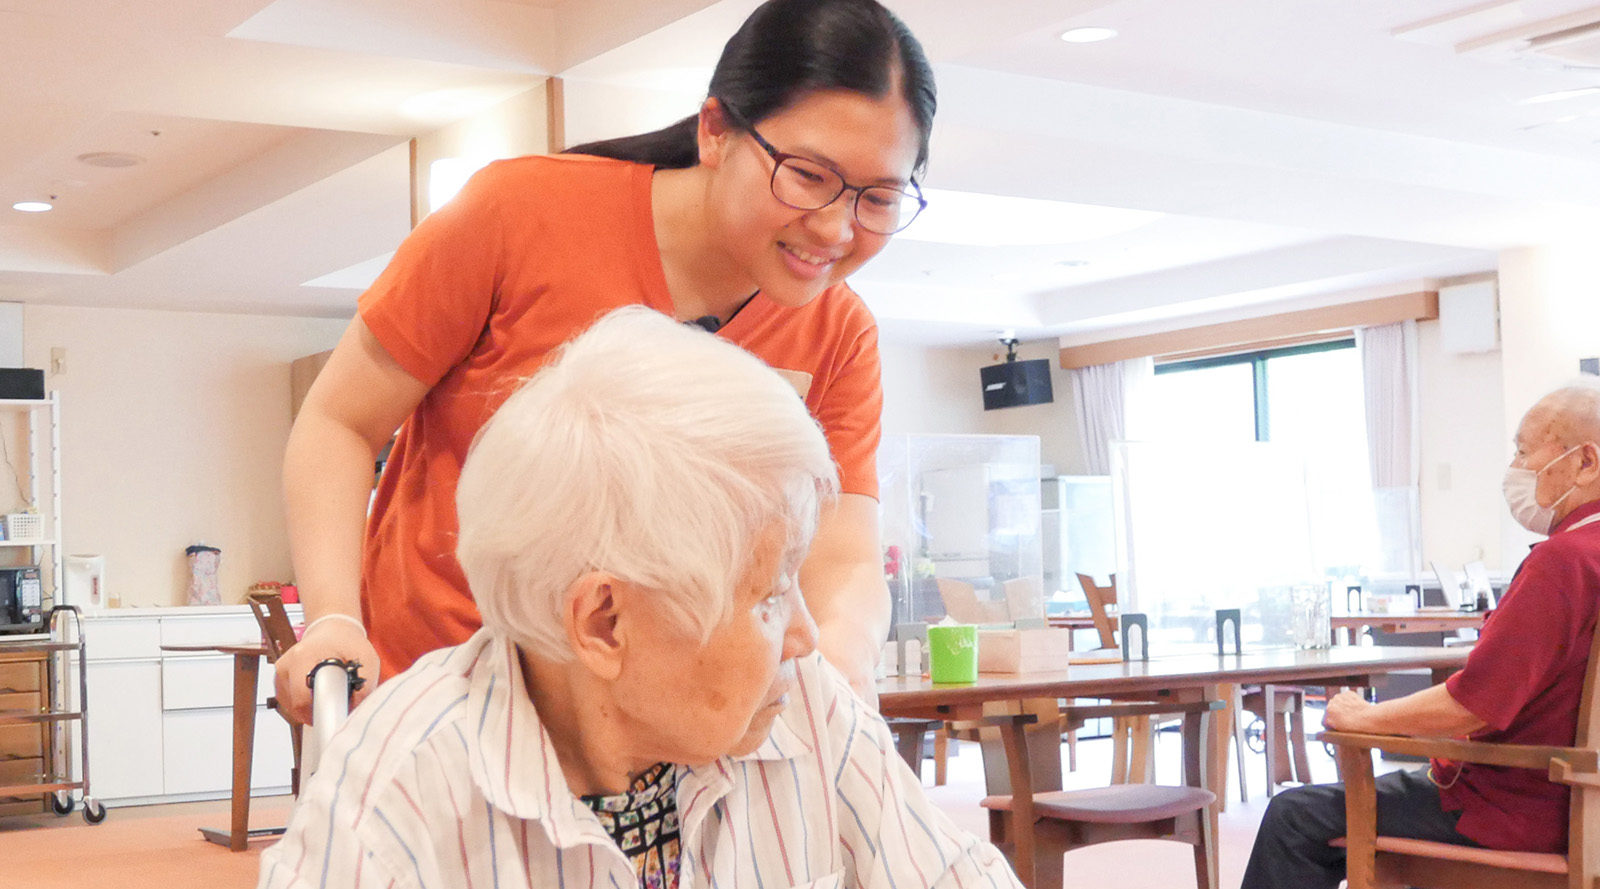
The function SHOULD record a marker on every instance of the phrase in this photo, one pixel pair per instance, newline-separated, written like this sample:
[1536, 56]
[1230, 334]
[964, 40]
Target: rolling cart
[56, 780]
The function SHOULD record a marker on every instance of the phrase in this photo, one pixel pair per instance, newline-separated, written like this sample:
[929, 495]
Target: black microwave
[21, 600]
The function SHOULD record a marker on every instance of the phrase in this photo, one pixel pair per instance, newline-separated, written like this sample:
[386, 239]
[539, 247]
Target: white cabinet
[125, 737]
[161, 722]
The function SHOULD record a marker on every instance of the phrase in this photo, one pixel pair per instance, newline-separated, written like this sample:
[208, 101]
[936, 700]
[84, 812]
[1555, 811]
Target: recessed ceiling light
[113, 159]
[1072, 263]
[1559, 95]
[33, 206]
[1089, 35]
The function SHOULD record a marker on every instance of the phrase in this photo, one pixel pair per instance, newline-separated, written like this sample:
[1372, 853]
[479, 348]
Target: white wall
[172, 432]
[1549, 319]
[928, 390]
[1465, 445]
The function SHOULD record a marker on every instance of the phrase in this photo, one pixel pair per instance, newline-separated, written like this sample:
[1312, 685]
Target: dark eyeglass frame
[778, 157]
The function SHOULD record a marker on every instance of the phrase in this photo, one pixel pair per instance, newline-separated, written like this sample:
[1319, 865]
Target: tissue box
[1024, 651]
[1397, 605]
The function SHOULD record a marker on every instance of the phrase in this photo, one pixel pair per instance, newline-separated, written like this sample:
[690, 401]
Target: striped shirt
[445, 778]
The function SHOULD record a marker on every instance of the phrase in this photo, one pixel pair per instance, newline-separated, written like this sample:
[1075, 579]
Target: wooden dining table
[1419, 622]
[1180, 678]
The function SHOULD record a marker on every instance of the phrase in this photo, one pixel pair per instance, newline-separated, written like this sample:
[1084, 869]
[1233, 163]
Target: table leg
[1215, 747]
[1269, 735]
[1022, 817]
[246, 670]
[1200, 730]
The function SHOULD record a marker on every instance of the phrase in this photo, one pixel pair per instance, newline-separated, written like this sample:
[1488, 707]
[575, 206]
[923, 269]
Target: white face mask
[1521, 489]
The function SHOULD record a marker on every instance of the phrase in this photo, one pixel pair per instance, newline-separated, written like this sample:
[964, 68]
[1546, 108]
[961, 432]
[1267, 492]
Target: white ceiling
[1310, 150]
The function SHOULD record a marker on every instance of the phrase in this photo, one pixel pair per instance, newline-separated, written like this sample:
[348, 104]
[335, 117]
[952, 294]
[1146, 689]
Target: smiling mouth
[806, 256]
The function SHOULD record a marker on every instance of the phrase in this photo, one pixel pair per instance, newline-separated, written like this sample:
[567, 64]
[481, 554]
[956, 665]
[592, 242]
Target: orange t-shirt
[528, 255]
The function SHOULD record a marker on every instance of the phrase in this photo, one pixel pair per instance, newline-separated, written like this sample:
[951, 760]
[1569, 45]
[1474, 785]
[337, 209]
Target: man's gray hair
[647, 449]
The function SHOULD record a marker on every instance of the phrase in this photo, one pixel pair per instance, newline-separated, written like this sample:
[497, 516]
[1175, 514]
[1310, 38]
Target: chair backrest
[1024, 597]
[961, 603]
[1102, 604]
[276, 631]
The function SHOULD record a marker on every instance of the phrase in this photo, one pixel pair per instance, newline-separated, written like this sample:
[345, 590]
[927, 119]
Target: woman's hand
[336, 639]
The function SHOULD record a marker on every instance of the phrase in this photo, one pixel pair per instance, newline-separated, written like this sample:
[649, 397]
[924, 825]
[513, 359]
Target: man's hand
[1346, 710]
[1431, 712]
[329, 639]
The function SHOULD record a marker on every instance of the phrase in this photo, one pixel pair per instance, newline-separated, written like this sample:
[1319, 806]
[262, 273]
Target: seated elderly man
[643, 704]
[1521, 684]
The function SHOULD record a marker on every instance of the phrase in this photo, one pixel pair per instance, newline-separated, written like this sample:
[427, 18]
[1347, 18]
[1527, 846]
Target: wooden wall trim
[1264, 332]
[555, 114]
[416, 186]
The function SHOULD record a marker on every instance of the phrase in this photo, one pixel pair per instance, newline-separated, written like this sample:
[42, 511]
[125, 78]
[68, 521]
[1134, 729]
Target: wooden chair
[1133, 739]
[1281, 708]
[961, 603]
[1037, 829]
[1102, 604]
[277, 634]
[1373, 861]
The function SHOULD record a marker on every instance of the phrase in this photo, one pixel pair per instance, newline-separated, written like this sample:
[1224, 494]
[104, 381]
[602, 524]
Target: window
[1307, 399]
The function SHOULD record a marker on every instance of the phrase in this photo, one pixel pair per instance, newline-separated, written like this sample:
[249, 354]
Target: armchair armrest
[1571, 765]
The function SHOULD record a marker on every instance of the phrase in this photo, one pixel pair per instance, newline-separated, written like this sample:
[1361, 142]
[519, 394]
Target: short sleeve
[851, 414]
[1503, 673]
[430, 305]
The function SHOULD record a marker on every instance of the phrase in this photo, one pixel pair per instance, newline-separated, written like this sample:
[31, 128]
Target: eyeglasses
[807, 185]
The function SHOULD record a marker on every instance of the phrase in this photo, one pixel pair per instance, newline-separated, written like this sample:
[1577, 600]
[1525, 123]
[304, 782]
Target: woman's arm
[358, 400]
[842, 579]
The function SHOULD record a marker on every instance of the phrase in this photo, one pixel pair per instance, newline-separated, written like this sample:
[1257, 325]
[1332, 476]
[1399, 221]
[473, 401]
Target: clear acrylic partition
[1079, 531]
[1203, 526]
[962, 510]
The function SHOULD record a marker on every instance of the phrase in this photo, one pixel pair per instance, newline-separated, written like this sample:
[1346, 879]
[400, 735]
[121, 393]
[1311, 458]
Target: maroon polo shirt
[1525, 679]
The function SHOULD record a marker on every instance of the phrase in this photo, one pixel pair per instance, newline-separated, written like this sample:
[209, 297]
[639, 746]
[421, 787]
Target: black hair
[787, 49]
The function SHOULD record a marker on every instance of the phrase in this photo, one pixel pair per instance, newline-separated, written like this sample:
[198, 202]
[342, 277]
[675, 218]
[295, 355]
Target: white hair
[647, 449]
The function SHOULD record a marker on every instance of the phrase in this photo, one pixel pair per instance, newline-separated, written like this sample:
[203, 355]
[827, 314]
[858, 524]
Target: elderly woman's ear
[593, 617]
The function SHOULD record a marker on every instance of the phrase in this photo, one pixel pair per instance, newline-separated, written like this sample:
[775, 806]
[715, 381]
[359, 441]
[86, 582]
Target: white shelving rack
[44, 485]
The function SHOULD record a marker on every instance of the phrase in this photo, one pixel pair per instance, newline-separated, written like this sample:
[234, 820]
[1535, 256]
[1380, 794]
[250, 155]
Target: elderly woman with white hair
[644, 704]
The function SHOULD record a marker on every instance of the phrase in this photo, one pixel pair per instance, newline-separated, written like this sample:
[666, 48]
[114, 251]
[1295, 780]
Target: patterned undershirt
[644, 823]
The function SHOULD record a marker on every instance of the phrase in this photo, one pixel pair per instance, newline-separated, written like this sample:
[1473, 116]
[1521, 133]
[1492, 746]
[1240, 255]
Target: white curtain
[1106, 399]
[1389, 380]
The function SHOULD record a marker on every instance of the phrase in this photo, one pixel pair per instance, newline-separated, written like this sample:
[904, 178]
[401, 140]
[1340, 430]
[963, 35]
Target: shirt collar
[514, 763]
[1577, 515]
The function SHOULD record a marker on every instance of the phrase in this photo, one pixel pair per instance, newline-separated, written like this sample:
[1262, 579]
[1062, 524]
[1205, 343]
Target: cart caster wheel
[62, 803]
[93, 812]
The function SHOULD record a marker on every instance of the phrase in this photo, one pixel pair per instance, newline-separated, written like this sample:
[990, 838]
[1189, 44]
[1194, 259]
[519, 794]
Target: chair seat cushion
[1544, 862]
[1117, 804]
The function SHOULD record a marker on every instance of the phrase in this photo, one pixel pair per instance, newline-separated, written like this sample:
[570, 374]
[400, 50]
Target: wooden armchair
[277, 634]
[1373, 861]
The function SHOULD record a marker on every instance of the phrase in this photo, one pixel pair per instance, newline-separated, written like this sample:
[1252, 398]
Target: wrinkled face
[1537, 445]
[696, 702]
[793, 255]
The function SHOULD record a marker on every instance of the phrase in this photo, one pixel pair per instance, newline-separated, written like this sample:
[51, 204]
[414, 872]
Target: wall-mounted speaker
[1016, 383]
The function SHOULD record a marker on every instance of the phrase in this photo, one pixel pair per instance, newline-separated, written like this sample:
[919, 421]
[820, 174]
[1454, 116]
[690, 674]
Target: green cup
[953, 653]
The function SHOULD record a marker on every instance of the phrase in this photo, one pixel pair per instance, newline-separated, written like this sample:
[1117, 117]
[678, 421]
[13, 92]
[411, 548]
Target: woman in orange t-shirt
[744, 218]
